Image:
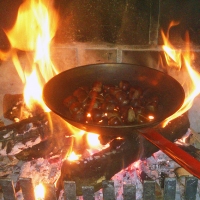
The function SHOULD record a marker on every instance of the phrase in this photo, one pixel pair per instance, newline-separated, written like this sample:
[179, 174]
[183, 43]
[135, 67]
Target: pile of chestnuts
[113, 105]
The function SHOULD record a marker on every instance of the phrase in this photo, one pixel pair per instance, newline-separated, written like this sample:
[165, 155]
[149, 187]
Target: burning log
[101, 166]
[105, 164]
[33, 136]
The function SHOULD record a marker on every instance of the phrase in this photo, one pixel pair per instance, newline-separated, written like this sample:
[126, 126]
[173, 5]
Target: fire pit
[35, 150]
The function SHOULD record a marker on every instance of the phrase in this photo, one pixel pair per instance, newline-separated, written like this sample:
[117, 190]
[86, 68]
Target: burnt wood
[105, 164]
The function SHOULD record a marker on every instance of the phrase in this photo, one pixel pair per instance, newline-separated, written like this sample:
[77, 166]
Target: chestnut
[112, 105]
[110, 98]
[131, 115]
[96, 95]
[92, 103]
[114, 121]
[79, 116]
[111, 114]
[81, 94]
[69, 100]
[124, 85]
[96, 114]
[78, 92]
[136, 102]
[122, 97]
[106, 88]
[97, 86]
[124, 112]
[75, 107]
[135, 92]
[108, 106]
[113, 90]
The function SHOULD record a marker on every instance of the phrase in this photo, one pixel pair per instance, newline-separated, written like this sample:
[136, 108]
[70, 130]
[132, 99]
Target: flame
[191, 87]
[37, 23]
[39, 191]
[73, 156]
[172, 55]
[93, 140]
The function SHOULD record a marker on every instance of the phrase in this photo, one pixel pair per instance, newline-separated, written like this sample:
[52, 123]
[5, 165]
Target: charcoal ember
[195, 152]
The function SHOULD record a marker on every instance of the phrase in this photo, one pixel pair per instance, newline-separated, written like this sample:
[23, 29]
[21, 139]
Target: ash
[152, 168]
[40, 171]
[156, 168]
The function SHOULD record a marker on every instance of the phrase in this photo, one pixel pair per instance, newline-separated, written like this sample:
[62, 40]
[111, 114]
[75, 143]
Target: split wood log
[20, 135]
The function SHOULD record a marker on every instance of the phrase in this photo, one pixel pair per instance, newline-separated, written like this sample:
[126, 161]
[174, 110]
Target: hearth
[88, 33]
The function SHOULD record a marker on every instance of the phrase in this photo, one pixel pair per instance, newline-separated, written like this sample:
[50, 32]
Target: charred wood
[13, 137]
[101, 166]
[105, 164]
[59, 141]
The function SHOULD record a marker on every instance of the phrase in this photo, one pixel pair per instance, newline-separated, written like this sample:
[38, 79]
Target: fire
[73, 156]
[172, 55]
[37, 22]
[39, 191]
[190, 79]
[94, 143]
[93, 140]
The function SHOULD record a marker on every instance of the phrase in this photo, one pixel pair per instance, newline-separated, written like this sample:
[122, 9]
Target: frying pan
[169, 91]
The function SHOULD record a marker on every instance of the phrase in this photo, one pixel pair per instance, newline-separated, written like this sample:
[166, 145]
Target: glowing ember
[37, 22]
[39, 192]
[93, 140]
[73, 156]
[151, 117]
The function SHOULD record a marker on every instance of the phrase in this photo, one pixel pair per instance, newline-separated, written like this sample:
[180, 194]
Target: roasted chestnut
[124, 85]
[75, 107]
[97, 86]
[114, 121]
[69, 100]
[108, 106]
[112, 105]
[80, 94]
[135, 92]
[96, 114]
[122, 98]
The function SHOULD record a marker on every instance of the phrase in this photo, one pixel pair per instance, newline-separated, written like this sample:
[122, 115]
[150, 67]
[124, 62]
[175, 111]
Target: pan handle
[184, 159]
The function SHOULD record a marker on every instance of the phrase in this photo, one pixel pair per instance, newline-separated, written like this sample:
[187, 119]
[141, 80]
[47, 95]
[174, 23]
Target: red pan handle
[180, 156]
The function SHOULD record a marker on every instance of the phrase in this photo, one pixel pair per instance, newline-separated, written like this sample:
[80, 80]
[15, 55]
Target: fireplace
[108, 32]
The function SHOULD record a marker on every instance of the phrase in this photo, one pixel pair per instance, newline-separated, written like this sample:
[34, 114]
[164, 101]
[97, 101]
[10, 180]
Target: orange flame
[172, 56]
[191, 86]
[92, 141]
[36, 22]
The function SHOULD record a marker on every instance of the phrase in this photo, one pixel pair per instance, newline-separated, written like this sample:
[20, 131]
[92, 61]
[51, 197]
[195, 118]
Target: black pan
[168, 90]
